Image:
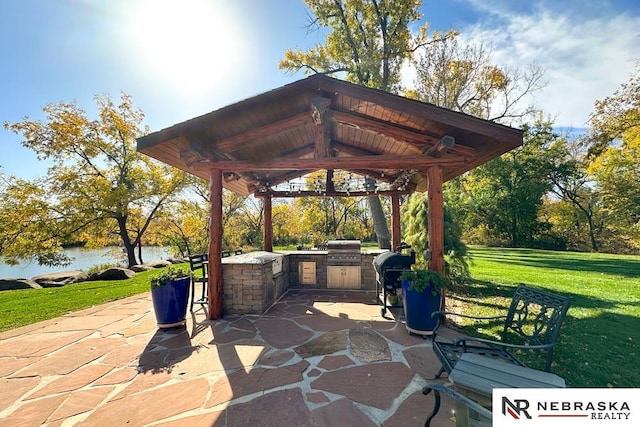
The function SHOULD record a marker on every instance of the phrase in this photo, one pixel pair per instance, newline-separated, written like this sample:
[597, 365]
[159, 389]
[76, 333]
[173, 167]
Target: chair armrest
[442, 388]
[463, 342]
[451, 313]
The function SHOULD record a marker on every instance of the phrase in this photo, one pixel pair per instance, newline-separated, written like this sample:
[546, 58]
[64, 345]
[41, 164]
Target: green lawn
[26, 306]
[600, 338]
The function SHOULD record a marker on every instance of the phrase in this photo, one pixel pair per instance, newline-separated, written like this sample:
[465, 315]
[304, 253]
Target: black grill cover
[392, 260]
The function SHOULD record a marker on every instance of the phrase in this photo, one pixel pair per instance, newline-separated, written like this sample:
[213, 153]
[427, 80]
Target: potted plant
[170, 294]
[421, 296]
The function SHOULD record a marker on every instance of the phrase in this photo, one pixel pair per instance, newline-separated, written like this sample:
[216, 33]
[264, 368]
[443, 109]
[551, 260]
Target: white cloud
[584, 58]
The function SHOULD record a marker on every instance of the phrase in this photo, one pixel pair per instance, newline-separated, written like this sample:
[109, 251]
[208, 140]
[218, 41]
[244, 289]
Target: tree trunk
[514, 230]
[377, 215]
[128, 246]
[592, 236]
[379, 222]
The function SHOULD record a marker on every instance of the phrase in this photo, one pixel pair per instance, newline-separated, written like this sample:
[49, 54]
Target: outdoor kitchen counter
[253, 281]
[318, 262]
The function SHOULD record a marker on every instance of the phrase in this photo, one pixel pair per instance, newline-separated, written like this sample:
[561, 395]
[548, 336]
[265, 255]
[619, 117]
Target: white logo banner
[566, 407]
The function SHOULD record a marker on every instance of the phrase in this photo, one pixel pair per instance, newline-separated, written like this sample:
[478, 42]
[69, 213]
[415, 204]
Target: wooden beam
[419, 141]
[341, 147]
[215, 246]
[290, 194]
[432, 113]
[322, 128]
[347, 162]
[271, 130]
[378, 176]
[268, 225]
[330, 186]
[388, 129]
[322, 144]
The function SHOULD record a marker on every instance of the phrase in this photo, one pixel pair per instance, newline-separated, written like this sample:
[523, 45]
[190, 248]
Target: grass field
[26, 306]
[600, 338]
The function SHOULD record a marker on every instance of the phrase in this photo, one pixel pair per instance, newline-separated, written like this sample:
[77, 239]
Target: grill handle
[402, 246]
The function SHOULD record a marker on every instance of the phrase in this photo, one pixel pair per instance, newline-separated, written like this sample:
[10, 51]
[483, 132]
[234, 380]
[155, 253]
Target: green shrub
[168, 274]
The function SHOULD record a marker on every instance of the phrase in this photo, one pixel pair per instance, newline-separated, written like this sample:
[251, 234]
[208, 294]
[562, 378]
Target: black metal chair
[531, 324]
[199, 275]
[438, 388]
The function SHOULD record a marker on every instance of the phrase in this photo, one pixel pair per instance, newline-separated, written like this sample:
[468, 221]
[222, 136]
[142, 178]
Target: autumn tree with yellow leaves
[98, 186]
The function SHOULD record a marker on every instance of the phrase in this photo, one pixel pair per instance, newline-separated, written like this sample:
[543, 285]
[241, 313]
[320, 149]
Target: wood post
[215, 246]
[396, 236]
[436, 218]
[436, 224]
[268, 224]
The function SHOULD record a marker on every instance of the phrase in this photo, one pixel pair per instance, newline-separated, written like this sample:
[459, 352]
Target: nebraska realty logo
[566, 407]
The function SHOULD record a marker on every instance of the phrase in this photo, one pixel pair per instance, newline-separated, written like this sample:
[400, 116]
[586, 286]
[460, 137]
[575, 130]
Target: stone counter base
[250, 286]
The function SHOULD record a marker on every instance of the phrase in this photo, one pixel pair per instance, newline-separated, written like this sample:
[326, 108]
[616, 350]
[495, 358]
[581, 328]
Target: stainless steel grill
[343, 252]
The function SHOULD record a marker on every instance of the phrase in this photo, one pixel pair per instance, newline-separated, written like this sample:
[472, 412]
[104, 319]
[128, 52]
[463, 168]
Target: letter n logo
[516, 408]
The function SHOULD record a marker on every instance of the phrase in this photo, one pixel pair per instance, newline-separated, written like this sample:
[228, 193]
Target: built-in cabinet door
[343, 277]
[351, 277]
[307, 273]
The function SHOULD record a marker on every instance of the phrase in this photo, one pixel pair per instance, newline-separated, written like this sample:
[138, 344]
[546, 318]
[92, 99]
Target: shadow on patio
[316, 358]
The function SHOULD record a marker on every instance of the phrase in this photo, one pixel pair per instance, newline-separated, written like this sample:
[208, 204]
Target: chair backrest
[197, 263]
[535, 317]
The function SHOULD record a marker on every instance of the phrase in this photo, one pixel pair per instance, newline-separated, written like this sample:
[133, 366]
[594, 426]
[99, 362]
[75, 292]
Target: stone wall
[318, 257]
[368, 273]
[249, 284]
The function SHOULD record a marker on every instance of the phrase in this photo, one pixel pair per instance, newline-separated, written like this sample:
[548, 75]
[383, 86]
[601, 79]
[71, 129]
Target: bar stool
[199, 275]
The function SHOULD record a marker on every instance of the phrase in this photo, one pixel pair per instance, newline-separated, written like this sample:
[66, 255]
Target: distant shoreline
[84, 259]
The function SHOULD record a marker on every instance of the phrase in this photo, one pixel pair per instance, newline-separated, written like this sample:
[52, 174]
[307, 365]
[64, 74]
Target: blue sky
[181, 59]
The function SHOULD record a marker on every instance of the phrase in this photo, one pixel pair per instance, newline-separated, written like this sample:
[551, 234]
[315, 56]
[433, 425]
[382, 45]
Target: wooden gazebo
[320, 123]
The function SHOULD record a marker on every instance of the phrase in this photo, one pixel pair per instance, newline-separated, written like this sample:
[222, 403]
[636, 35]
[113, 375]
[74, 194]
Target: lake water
[83, 259]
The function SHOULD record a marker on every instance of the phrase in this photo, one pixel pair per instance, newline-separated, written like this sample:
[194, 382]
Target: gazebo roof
[321, 123]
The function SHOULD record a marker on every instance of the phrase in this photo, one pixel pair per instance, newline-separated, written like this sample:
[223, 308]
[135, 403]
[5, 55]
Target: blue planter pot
[418, 307]
[170, 302]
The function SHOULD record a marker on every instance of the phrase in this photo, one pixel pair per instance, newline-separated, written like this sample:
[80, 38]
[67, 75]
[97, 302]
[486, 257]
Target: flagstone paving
[316, 358]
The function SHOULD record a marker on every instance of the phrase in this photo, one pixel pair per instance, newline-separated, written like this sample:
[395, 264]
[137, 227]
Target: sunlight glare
[188, 44]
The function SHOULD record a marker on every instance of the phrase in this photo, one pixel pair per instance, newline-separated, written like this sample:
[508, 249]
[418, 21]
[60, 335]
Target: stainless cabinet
[307, 273]
[341, 276]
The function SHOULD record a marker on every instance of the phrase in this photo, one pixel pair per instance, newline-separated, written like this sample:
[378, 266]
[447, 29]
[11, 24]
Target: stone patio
[316, 358]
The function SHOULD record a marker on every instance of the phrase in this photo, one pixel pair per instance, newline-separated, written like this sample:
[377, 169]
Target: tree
[416, 220]
[27, 225]
[617, 174]
[616, 118]
[614, 146]
[329, 216]
[572, 184]
[185, 224]
[369, 42]
[287, 222]
[507, 192]
[464, 78]
[98, 181]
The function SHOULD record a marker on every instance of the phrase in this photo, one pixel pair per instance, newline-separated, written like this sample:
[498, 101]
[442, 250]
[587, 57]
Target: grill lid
[343, 252]
[392, 260]
[343, 246]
